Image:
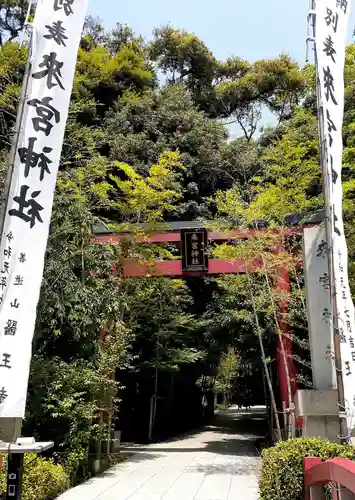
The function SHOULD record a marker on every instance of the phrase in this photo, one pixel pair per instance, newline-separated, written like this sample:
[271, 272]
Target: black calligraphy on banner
[33, 213]
[322, 249]
[31, 159]
[64, 4]
[329, 42]
[327, 315]
[332, 19]
[56, 32]
[335, 221]
[3, 395]
[331, 128]
[45, 114]
[342, 335]
[5, 268]
[329, 48]
[10, 327]
[18, 280]
[52, 70]
[328, 81]
[335, 174]
[343, 5]
[324, 280]
[15, 304]
[58, 24]
[5, 362]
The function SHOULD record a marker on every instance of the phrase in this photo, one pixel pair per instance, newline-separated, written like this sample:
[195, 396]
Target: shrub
[42, 478]
[282, 466]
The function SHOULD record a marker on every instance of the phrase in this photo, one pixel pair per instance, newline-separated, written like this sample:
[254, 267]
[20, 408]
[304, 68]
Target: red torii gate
[174, 268]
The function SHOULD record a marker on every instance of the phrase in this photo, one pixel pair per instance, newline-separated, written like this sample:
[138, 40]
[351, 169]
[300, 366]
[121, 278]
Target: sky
[251, 29]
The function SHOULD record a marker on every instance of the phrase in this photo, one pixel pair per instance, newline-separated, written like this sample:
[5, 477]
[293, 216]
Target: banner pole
[10, 427]
[34, 164]
[15, 138]
[328, 218]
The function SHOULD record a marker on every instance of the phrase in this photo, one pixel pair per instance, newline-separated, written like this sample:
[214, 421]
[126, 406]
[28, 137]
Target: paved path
[219, 462]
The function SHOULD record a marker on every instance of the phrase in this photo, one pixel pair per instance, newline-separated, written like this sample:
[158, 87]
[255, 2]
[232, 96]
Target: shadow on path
[233, 432]
[219, 461]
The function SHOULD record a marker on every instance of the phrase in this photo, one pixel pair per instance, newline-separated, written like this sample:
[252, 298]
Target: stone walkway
[219, 462]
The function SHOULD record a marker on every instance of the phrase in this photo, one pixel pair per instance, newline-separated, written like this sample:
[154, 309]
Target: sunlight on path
[219, 462]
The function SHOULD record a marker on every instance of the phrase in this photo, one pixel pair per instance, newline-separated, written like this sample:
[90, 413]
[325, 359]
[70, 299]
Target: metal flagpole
[16, 134]
[12, 431]
[344, 432]
[10, 428]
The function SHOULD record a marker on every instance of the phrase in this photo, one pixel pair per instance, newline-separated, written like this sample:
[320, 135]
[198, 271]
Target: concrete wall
[318, 302]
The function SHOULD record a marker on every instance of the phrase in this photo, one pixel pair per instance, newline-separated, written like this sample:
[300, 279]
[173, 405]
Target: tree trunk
[263, 359]
[290, 419]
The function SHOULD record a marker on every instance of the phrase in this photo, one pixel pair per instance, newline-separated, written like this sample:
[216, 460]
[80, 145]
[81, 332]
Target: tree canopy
[147, 142]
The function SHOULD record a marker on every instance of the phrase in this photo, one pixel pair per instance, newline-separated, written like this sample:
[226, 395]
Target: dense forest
[147, 142]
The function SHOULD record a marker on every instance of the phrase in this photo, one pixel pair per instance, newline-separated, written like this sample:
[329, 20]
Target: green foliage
[71, 369]
[277, 83]
[43, 479]
[184, 58]
[226, 88]
[12, 60]
[98, 67]
[141, 128]
[162, 325]
[282, 466]
[148, 198]
[139, 152]
[232, 314]
[227, 373]
[288, 183]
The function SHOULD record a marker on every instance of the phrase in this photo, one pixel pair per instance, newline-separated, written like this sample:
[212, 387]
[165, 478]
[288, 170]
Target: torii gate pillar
[177, 268]
[318, 407]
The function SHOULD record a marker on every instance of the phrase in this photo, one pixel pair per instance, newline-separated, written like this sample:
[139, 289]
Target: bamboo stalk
[290, 426]
[263, 358]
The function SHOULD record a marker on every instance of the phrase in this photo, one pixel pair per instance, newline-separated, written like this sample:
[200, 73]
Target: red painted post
[284, 341]
[336, 471]
[308, 464]
[284, 287]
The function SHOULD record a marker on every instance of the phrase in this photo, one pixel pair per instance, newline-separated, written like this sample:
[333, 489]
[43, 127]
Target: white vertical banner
[332, 18]
[57, 30]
